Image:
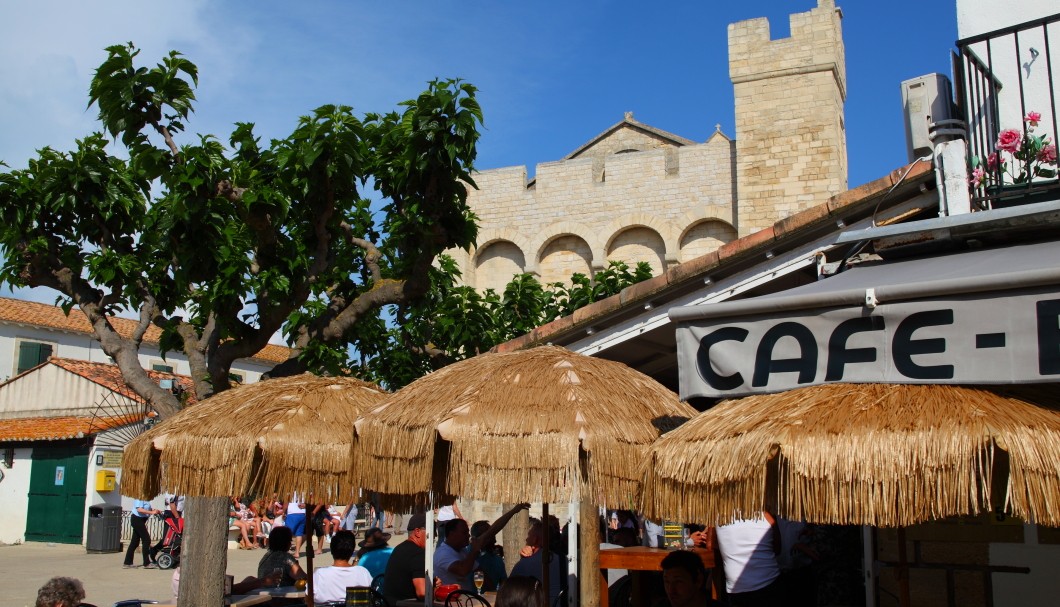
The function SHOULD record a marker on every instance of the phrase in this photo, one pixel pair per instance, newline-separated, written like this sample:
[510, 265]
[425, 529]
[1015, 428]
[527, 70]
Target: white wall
[981, 16]
[83, 347]
[13, 491]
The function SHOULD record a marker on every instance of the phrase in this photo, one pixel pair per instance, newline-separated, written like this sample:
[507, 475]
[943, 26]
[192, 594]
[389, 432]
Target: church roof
[628, 122]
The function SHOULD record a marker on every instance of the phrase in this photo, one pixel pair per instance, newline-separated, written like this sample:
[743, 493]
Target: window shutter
[31, 354]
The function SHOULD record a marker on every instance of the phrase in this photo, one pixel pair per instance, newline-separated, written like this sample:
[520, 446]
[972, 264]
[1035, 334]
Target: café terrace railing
[1001, 77]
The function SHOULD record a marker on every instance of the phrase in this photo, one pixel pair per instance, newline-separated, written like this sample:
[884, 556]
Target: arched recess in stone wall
[563, 256]
[705, 237]
[496, 264]
[638, 243]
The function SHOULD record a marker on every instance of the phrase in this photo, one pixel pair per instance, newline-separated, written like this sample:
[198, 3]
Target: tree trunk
[514, 536]
[589, 553]
[204, 553]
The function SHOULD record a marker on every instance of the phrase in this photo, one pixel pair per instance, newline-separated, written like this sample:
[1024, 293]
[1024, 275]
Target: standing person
[749, 555]
[142, 509]
[330, 583]
[295, 521]
[374, 552]
[404, 571]
[349, 517]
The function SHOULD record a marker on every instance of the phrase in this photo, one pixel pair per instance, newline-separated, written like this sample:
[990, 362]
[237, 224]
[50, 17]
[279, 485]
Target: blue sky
[551, 74]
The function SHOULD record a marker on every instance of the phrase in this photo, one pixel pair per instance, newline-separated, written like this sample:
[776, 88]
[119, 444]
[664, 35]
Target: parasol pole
[546, 555]
[903, 570]
[428, 556]
[307, 536]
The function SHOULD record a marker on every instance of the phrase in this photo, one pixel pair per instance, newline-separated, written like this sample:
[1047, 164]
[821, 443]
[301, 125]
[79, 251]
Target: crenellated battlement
[637, 193]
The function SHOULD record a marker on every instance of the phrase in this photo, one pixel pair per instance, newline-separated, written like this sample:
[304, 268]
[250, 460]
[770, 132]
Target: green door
[57, 485]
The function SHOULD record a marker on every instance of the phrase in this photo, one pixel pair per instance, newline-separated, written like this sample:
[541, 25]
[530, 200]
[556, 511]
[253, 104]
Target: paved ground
[25, 567]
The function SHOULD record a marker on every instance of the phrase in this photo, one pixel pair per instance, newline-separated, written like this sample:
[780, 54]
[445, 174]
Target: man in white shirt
[330, 583]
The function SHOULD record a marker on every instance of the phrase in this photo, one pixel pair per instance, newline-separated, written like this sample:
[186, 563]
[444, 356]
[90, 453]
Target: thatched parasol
[868, 454]
[540, 425]
[516, 425]
[284, 435]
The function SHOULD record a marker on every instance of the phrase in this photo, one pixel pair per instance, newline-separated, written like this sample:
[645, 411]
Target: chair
[378, 600]
[375, 599]
[463, 598]
[377, 583]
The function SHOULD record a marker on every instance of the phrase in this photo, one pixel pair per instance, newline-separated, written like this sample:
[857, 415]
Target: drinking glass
[277, 573]
[479, 579]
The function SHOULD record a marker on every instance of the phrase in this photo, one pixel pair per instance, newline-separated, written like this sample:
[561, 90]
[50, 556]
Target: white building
[66, 414]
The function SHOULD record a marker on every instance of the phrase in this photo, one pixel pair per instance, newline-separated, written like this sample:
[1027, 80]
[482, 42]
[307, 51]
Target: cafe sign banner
[984, 338]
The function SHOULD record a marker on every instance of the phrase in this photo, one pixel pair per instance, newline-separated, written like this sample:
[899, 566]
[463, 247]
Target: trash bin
[104, 528]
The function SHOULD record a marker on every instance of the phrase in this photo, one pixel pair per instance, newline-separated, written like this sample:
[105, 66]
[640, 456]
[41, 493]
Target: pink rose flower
[1047, 154]
[991, 161]
[1032, 118]
[978, 174]
[1010, 140]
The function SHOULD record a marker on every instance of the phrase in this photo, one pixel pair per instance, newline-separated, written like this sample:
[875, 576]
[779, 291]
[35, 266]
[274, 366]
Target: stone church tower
[637, 193]
[791, 150]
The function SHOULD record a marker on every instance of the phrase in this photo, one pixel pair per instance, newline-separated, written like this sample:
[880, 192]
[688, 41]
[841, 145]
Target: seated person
[452, 563]
[489, 562]
[61, 592]
[685, 580]
[374, 552]
[330, 583]
[521, 591]
[405, 571]
[531, 565]
[278, 557]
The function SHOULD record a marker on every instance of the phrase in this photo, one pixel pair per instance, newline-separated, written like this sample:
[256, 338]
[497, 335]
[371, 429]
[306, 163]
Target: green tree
[223, 244]
[454, 321]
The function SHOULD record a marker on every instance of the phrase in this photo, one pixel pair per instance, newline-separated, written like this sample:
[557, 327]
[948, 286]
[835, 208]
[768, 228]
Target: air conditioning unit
[925, 100]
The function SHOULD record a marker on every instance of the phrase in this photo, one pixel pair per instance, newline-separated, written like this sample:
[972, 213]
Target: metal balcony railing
[1006, 91]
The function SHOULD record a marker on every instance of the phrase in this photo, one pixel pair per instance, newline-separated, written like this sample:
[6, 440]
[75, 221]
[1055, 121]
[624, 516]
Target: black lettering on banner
[805, 365]
[1048, 317]
[706, 370]
[905, 347]
[839, 355]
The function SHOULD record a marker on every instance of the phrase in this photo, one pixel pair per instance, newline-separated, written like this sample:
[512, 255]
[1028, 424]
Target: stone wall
[635, 193]
[653, 205]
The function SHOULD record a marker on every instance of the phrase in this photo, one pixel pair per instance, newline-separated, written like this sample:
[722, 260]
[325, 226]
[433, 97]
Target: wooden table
[287, 592]
[637, 559]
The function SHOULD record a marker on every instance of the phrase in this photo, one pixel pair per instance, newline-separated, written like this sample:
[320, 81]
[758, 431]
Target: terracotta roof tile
[58, 428]
[53, 317]
[109, 376]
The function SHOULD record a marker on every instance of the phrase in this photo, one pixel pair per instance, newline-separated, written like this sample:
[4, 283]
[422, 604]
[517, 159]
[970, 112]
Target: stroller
[167, 551]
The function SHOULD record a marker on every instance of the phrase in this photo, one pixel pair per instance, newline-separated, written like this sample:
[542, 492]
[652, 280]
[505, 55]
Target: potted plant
[1020, 158]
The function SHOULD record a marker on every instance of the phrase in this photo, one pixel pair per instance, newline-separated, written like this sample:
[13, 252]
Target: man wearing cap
[405, 568]
[374, 553]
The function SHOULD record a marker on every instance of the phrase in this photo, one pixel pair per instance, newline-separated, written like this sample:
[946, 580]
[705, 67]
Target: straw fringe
[280, 435]
[883, 455]
[516, 422]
